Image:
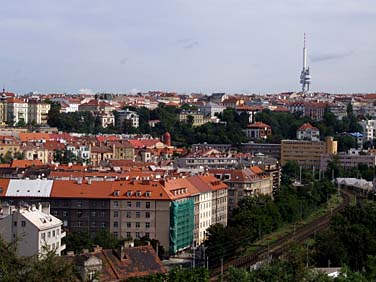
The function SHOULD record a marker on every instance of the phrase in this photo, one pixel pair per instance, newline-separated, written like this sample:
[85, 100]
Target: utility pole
[307, 255]
[300, 174]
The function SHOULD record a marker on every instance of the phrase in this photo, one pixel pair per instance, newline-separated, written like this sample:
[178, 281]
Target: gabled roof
[307, 126]
[258, 124]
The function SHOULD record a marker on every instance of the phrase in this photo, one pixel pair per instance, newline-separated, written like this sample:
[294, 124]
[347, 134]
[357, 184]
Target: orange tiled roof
[306, 126]
[258, 124]
[106, 190]
[35, 136]
[25, 163]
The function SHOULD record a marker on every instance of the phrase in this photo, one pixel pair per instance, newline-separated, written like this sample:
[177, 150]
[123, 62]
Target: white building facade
[35, 230]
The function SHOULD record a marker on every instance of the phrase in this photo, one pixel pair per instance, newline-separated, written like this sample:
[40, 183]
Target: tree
[47, 267]
[53, 116]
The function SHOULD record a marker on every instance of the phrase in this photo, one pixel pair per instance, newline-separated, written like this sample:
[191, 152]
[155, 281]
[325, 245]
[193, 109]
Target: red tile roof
[258, 124]
[307, 126]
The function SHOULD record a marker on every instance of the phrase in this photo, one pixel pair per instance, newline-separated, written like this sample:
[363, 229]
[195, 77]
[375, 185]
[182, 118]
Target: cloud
[191, 45]
[123, 61]
[85, 91]
[330, 56]
[187, 43]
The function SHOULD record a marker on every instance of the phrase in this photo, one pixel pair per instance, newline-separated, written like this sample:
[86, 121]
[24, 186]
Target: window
[137, 234]
[49, 234]
[53, 233]
[102, 214]
[91, 275]
[147, 214]
[129, 214]
[15, 223]
[147, 224]
[129, 204]
[43, 236]
[116, 234]
[147, 205]
[116, 214]
[79, 224]
[93, 213]
[138, 225]
[23, 223]
[93, 224]
[129, 225]
[79, 203]
[79, 213]
[103, 224]
[147, 234]
[138, 204]
[129, 235]
[138, 214]
[116, 224]
[116, 204]
[65, 204]
[56, 213]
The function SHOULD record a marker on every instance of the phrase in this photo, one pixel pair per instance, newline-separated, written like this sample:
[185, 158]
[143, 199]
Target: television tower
[305, 76]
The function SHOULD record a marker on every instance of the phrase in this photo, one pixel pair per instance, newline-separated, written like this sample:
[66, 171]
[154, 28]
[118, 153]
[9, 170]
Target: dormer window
[117, 193]
[148, 194]
[129, 193]
[138, 193]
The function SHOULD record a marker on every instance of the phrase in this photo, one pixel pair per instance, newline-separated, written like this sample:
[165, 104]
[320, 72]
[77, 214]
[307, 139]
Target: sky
[201, 46]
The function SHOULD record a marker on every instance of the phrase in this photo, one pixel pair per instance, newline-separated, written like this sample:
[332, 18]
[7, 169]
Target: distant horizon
[182, 93]
[240, 46]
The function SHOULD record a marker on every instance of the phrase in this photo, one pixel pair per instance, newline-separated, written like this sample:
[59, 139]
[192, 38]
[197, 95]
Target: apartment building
[258, 130]
[162, 210]
[242, 183]
[369, 129]
[307, 153]
[38, 112]
[272, 150]
[34, 228]
[308, 132]
[3, 111]
[127, 116]
[348, 160]
[17, 111]
[198, 118]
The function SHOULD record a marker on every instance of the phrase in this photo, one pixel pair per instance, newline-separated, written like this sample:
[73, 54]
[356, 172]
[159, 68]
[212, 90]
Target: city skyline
[215, 46]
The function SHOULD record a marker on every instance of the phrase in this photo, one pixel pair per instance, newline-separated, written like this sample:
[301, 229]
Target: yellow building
[38, 112]
[123, 151]
[197, 118]
[3, 112]
[307, 153]
[34, 152]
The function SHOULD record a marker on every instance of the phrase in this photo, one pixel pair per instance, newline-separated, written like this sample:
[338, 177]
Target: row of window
[53, 233]
[129, 224]
[129, 214]
[136, 235]
[129, 204]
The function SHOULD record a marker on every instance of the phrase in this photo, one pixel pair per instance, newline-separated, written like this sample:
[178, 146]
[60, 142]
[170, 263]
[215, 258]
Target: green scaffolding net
[181, 224]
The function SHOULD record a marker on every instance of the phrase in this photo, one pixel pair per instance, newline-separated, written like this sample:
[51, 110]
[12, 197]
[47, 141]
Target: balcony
[63, 234]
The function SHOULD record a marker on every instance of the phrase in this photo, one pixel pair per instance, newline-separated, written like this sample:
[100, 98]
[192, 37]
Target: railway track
[279, 246]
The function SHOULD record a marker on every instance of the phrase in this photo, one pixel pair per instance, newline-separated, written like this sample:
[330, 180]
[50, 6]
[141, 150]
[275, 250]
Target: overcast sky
[187, 46]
